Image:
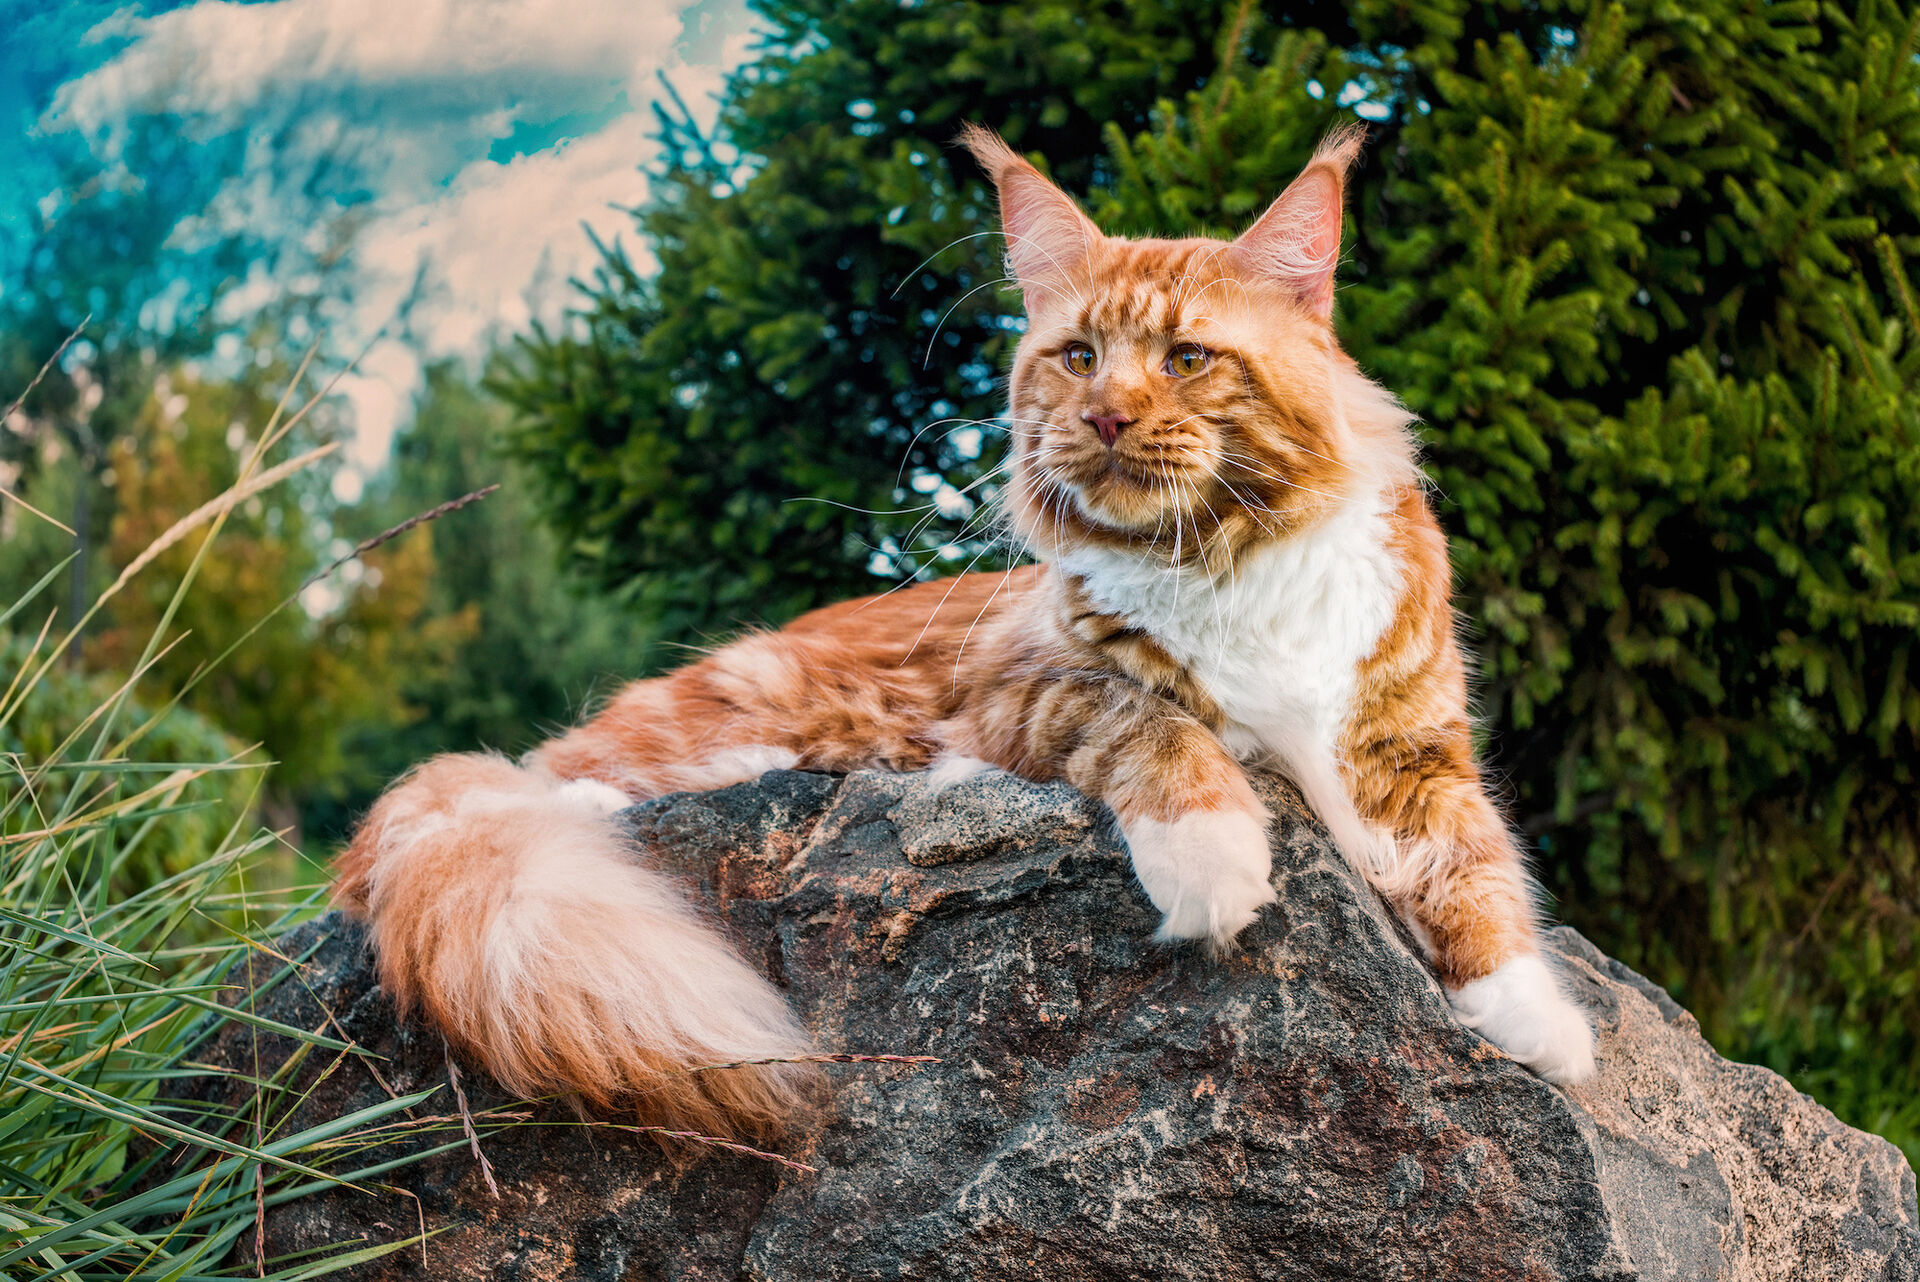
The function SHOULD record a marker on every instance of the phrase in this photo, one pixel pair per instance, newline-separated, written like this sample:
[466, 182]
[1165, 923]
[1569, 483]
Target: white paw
[603, 797]
[741, 764]
[1208, 872]
[950, 768]
[1520, 1009]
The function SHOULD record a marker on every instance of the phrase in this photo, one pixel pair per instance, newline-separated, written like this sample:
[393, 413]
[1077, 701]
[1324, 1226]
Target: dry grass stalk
[21, 399]
[414, 1124]
[466, 1122]
[824, 1057]
[366, 1061]
[46, 367]
[710, 1141]
[393, 532]
[420, 1213]
[259, 1218]
[6, 493]
[214, 507]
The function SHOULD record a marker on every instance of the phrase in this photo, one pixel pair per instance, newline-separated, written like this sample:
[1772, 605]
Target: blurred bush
[49, 722]
[274, 658]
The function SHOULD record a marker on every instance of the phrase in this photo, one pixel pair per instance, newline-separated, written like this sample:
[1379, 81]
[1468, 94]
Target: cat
[1237, 567]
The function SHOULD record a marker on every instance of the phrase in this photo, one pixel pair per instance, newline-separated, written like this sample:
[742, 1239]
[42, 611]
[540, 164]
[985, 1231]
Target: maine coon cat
[1238, 567]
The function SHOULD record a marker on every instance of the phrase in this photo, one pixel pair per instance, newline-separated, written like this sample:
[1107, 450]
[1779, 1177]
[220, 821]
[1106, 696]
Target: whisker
[928, 358]
[955, 584]
[864, 511]
[957, 240]
[913, 534]
[960, 421]
[962, 651]
[1248, 464]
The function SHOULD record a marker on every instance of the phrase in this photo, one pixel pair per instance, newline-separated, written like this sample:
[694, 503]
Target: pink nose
[1108, 425]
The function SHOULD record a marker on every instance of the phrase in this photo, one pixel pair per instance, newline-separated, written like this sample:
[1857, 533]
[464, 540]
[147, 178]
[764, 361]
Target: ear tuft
[990, 150]
[1297, 241]
[1047, 235]
[1341, 147]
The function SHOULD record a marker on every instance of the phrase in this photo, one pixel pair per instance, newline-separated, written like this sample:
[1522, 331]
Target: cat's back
[922, 622]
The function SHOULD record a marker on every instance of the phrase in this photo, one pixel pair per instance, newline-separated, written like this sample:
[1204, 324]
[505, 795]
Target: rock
[1105, 1107]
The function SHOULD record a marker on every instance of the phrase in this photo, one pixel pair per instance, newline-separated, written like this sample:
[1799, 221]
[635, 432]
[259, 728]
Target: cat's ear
[1297, 241]
[1046, 232]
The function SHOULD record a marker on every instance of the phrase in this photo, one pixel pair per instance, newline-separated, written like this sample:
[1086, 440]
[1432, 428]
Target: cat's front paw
[1209, 872]
[1521, 1009]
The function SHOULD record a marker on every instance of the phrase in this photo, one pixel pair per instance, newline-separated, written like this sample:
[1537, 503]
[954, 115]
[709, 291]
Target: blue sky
[41, 45]
[484, 133]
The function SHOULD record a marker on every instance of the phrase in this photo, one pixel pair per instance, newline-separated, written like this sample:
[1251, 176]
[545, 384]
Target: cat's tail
[504, 906]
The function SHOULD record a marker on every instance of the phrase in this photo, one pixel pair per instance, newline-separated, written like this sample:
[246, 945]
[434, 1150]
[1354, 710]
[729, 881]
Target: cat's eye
[1187, 360]
[1080, 359]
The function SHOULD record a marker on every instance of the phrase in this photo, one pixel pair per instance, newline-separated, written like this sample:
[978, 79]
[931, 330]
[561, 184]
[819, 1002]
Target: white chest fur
[1277, 642]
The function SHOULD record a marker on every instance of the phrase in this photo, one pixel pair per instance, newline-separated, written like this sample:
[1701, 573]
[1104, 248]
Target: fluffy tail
[504, 906]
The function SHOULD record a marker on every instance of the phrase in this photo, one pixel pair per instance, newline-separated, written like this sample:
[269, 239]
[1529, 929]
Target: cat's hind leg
[767, 701]
[1458, 877]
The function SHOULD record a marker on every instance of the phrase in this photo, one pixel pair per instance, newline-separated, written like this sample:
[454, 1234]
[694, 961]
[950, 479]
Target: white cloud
[455, 249]
[236, 55]
[379, 388]
[501, 240]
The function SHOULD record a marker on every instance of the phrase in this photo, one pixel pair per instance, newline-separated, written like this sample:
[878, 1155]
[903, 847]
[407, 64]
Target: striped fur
[1248, 572]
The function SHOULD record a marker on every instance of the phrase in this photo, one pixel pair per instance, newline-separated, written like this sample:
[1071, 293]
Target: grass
[115, 973]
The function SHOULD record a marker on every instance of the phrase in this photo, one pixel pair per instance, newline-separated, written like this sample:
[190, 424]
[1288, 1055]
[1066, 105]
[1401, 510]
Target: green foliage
[1641, 269]
[1642, 275]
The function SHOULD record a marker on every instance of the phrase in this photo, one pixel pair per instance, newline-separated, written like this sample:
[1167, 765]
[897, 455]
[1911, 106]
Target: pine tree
[1642, 273]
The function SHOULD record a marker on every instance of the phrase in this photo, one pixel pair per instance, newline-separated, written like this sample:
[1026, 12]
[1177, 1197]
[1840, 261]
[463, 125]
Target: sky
[484, 133]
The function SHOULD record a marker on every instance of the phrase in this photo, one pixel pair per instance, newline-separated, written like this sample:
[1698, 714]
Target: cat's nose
[1108, 425]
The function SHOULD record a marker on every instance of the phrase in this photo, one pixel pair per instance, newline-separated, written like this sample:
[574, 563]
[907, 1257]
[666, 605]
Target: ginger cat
[1239, 567]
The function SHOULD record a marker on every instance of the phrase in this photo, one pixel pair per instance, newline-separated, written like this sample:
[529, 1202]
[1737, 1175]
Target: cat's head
[1185, 397]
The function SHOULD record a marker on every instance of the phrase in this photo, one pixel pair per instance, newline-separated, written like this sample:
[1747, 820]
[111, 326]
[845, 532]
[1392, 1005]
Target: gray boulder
[1105, 1107]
